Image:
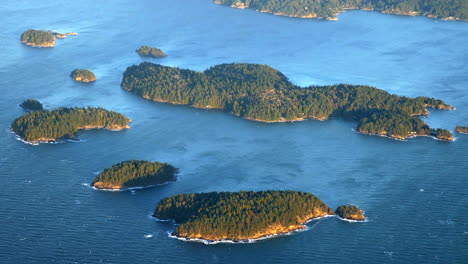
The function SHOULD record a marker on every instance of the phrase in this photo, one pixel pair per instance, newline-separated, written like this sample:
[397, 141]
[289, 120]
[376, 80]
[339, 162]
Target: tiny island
[38, 38]
[462, 129]
[441, 9]
[350, 212]
[240, 216]
[82, 75]
[32, 105]
[134, 174]
[261, 93]
[62, 124]
[148, 51]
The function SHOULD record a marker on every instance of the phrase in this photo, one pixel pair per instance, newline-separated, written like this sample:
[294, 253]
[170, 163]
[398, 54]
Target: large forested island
[350, 212]
[261, 93]
[443, 9]
[134, 173]
[38, 38]
[63, 123]
[240, 216]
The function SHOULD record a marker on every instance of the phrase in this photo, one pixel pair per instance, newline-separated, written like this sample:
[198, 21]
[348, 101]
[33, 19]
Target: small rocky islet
[147, 51]
[42, 38]
[32, 105]
[83, 75]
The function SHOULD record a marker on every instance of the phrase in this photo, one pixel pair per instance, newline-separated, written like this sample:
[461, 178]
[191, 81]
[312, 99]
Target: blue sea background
[413, 192]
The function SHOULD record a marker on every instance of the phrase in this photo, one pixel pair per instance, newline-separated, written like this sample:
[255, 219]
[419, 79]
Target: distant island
[134, 173]
[150, 52]
[38, 38]
[32, 105]
[350, 212]
[261, 93]
[239, 216]
[441, 9]
[462, 129]
[62, 124]
[82, 75]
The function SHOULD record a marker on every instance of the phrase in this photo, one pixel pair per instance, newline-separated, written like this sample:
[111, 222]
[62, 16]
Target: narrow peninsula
[350, 212]
[38, 38]
[440, 9]
[49, 126]
[462, 129]
[32, 105]
[134, 174]
[82, 75]
[261, 93]
[240, 216]
[148, 51]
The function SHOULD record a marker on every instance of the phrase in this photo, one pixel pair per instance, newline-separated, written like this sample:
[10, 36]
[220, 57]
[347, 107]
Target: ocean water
[413, 192]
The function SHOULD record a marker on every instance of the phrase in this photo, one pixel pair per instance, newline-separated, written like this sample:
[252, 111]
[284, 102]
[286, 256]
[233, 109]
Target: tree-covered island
[350, 212]
[134, 173]
[82, 75]
[261, 93]
[63, 123]
[32, 105]
[441, 9]
[462, 129]
[240, 216]
[38, 38]
[150, 52]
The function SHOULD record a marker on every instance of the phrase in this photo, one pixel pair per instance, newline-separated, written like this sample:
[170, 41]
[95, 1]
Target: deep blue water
[413, 192]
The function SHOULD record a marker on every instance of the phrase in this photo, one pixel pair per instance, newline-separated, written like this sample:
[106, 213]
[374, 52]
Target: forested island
[150, 52]
[32, 105]
[38, 38]
[441, 9]
[239, 216]
[134, 173]
[261, 93]
[462, 129]
[82, 75]
[63, 123]
[350, 212]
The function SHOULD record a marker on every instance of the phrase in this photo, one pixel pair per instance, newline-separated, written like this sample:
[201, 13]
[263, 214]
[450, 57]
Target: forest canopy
[135, 173]
[64, 123]
[261, 93]
[240, 215]
[444, 9]
[32, 105]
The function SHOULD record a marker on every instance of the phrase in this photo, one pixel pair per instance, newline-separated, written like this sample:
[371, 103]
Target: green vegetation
[38, 38]
[82, 75]
[63, 123]
[462, 129]
[135, 173]
[350, 212]
[150, 52]
[445, 9]
[261, 93]
[240, 215]
[32, 104]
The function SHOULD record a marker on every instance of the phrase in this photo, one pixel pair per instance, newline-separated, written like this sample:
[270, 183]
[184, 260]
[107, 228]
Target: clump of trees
[136, 173]
[150, 52]
[457, 9]
[238, 215]
[351, 212]
[32, 104]
[262, 93]
[83, 75]
[38, 38]
[64, 123]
